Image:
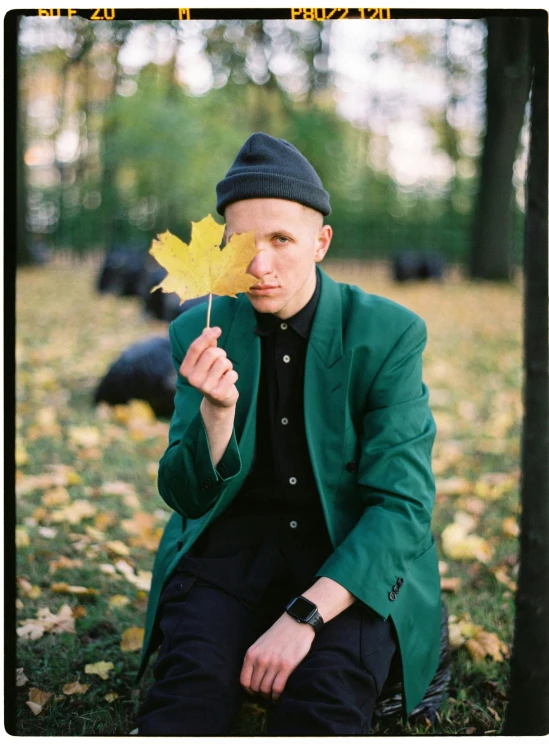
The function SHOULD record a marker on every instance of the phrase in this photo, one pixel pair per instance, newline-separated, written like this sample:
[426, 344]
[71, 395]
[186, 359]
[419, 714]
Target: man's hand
[274, 656]
[207, 368]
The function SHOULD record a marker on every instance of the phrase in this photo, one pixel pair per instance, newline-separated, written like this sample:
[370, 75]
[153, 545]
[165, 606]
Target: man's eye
[281, 237]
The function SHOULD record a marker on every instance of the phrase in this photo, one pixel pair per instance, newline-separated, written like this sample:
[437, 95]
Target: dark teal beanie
[266, 167]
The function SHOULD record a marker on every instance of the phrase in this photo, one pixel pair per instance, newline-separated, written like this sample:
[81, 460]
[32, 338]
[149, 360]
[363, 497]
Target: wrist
[216, 412]
[305, 612]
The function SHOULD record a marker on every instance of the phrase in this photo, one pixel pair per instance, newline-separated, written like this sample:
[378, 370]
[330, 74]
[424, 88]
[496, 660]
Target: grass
[473, 369]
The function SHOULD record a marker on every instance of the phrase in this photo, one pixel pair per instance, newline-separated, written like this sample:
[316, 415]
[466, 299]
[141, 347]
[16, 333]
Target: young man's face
[290, 239]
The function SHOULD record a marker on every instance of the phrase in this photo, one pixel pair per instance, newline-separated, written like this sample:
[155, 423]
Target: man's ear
[323, 241]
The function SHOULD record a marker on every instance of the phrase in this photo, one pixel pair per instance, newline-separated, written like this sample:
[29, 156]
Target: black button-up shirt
[275, 525]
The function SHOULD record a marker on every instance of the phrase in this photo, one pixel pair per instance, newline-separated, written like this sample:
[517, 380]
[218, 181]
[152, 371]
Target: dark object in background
[144, 371]
[390, 700]
[39, 252]
[122, 272]
[410, 265]
[164, 305]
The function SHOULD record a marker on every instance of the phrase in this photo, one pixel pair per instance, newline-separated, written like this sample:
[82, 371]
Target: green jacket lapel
[327, 372]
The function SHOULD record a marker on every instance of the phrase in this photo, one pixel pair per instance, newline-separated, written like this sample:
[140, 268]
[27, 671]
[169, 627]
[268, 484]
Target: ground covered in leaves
[89, 517]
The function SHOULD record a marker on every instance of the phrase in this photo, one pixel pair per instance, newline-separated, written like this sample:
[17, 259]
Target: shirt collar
[301, 322]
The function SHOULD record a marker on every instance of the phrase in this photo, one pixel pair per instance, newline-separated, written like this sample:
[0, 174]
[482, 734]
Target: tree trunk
[507, 85]
[528, 710]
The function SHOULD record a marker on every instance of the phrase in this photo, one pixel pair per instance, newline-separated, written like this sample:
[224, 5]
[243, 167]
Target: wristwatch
[305, 611]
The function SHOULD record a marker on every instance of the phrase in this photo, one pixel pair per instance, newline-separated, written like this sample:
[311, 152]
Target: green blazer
[364, 401]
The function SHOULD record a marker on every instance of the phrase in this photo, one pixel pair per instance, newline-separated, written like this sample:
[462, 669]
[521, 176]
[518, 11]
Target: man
[299, 558]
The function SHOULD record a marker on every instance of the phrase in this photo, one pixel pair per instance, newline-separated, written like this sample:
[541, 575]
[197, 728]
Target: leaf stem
[209, 310]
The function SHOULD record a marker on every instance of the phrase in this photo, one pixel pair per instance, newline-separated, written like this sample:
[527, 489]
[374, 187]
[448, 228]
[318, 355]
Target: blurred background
[126, 127]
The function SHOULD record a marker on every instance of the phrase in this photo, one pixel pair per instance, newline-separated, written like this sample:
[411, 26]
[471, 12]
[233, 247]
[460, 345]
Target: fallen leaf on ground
[26, 589]
[510, 528]
[458, 544]
[486, 644]
[56, 496]
[61, 587]
[132, 639]
[46, 621]
[48, 532]
[79, 611]
[133, 411]
[38, 700]
[22, 539]
[64, 562]
[450, 584]
[479, 642]
[453, 486]
[75, 512]
[102, 668]
[111, 696]
[84, 436]
[503, 577]
[21, 455]
[20, 678]
[119, 600]
[117, 547]
[493, 486]
[75, 688]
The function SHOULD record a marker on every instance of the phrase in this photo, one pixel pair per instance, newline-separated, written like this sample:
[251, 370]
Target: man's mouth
[262, 289]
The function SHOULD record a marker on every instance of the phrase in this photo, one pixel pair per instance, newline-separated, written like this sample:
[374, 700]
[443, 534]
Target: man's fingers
[202, 370]
[246, 674]
[266, 684]
[207, 338]
[210, 369]
[279, 683]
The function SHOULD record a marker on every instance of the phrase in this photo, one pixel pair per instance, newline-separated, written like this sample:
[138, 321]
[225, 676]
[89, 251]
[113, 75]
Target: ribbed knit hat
[266, 167]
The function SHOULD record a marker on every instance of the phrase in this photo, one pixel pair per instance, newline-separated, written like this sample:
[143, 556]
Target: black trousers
[206, 633]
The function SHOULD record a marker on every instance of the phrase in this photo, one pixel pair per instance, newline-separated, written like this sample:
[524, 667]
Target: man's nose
[260, 265]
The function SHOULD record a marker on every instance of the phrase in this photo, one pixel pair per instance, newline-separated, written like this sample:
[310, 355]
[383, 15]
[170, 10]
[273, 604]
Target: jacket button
[352, 466]
[392, 596]
[396, 588]
[400, 581]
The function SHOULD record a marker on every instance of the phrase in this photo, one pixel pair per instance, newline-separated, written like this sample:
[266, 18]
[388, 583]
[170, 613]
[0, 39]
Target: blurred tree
[22, 249]
[528, 709]
[507, 85]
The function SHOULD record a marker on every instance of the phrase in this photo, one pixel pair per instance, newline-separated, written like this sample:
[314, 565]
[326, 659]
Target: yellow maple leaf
[132, 639]
[102, 668]
[200, 267]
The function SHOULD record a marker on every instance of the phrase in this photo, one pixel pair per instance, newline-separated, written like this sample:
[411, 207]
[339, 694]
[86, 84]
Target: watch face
[302, 608]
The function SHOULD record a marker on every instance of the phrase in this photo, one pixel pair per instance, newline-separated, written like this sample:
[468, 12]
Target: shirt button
[283, 326]
[293, 480]
[293, 524]
[284, 421]
[286, 358]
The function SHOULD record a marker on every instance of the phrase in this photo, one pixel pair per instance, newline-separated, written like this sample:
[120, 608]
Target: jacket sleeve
[395, 479]
[187, 479]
